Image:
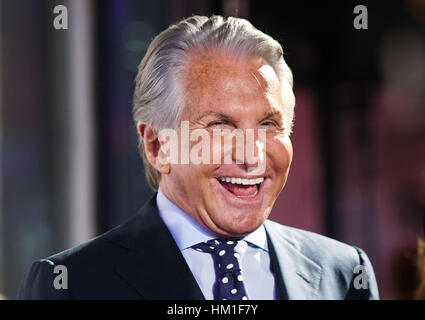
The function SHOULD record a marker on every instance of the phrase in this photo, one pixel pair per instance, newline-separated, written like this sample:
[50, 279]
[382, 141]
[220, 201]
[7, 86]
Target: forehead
[222, 81]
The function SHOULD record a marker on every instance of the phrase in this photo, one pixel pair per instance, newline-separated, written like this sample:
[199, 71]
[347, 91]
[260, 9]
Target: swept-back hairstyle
[158, 96]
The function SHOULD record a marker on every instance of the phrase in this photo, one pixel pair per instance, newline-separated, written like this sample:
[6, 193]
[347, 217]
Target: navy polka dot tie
[229, 283]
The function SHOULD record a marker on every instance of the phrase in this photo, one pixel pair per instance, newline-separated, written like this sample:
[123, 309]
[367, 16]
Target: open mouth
[241, 187]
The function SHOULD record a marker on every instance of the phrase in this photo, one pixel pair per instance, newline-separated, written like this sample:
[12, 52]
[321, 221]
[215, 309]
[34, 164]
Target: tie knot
[223, 253]
[217, 246]
[223, 243]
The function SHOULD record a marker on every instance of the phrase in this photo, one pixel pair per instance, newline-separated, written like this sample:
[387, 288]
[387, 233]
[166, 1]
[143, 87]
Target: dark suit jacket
[140, 260]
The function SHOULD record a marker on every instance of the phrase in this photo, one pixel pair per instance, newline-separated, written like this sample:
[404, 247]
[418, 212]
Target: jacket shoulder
[316, 246]
[339, 262]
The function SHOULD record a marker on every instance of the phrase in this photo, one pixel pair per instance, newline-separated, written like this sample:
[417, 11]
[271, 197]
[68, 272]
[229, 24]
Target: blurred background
[69, 166]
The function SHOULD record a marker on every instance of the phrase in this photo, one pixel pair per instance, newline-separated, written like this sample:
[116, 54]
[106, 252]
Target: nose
[249, 150]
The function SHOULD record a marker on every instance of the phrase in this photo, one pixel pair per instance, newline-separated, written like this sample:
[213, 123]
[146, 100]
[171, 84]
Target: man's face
[223, 93]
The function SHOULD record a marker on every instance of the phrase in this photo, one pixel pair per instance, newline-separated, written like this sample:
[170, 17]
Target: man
[205, 233]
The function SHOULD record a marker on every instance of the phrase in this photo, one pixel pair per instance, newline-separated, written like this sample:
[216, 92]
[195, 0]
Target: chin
[240, 223]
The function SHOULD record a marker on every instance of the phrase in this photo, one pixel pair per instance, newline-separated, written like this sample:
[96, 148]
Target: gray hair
[158, 97]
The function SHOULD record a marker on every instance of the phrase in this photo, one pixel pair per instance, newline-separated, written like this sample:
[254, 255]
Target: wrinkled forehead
[217, 62]
[215, 72]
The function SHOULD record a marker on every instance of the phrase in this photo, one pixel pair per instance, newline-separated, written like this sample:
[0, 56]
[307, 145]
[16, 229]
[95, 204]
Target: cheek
[279, 153]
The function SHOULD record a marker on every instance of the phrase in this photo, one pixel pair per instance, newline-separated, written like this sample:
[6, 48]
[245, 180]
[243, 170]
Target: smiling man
[206, 234]
[224, 92]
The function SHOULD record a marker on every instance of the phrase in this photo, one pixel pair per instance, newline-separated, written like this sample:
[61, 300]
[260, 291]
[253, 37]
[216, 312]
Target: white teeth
[242, 181]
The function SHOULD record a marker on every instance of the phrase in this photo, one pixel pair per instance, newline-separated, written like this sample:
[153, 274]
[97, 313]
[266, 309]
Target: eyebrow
[268, 115]
[219, 115]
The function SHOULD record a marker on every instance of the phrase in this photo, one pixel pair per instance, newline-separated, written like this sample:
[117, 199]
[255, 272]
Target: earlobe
[152, 147]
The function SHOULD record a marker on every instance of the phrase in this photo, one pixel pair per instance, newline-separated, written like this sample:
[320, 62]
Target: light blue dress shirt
[253, 250]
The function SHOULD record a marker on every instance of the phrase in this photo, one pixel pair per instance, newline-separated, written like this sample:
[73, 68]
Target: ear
[152, 146]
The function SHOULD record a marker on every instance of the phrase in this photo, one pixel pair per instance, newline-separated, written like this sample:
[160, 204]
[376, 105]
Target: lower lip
[233, 197]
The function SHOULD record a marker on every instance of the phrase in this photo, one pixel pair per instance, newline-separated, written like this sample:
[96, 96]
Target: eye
[268, 123]
[216, 123]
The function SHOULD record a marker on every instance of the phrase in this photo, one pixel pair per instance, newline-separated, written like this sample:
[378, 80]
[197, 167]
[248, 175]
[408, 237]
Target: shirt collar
[187, 232]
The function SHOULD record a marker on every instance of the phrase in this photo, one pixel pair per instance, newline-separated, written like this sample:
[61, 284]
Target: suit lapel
[154, 265]
[300, 275]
